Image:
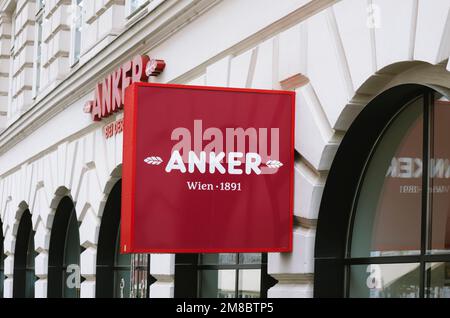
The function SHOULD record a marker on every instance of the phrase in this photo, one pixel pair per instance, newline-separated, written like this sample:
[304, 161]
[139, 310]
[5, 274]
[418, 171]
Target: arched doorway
[113, 269]
[64, 253]
[384, 221]
[24, 255]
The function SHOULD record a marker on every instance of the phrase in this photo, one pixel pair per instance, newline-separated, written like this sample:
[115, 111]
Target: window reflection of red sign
[440, 181]
[397, 217]
[398, 214]
[207, 170]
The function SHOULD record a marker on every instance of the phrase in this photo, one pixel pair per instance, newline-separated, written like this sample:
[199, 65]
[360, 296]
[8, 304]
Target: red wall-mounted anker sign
[207, 170]
[110, 92]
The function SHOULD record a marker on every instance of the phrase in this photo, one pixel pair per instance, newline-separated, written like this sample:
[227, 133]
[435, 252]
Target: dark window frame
[57, 255]
[334, 230]
[107, 248]
[25, 236]
[188, 280]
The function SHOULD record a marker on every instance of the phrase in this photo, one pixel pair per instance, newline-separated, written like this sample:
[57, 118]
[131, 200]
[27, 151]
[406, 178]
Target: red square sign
[207, 170]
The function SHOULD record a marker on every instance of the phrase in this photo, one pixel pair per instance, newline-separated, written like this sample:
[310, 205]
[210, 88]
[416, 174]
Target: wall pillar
[162, 267]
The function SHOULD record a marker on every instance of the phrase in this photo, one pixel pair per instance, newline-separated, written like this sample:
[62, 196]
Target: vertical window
[30, 277]
[38, 50]
[230, 275]
[24, 256]
[392, 185]
[40, 4]
[121, 272]
[64, 253]
[400, 235]
[222, 275]
[439, 182]
[113, 268]
[11, 78]
[77, 24]
[134, 5]
[71, 261]
[119, 275]
[139, 275]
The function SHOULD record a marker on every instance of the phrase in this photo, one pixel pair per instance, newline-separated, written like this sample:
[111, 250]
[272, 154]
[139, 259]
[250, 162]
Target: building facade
[354, 64]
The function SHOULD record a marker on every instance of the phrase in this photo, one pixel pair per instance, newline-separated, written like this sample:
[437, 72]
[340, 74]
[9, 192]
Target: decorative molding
[293, 278]
[284, 23]
[148, 30]
[340, 52]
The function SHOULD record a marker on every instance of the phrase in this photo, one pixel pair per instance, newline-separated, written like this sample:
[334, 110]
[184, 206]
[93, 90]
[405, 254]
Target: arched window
[389, 191]
[113, 269]
[24, 255]
[119, 275]
[64, 253]
[2, 261]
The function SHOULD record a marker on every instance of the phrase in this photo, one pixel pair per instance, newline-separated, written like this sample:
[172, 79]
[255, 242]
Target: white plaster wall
[331, 59]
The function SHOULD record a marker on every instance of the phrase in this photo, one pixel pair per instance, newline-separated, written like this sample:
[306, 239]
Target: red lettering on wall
[96, 105]
[106, 96]
[126, 77]
[138, 68]
[116, 102]
[110, 92]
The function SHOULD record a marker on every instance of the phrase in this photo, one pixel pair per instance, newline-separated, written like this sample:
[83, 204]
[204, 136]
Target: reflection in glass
[139, 275]
[218, 259]
[438, 280]
[71, 267]
[440, 177]
[389, 201]
[218, 283]
[385, 281]
[122, 272]
[250, 258]
[135, 4]
[249, 283]
[30, 278]
[389, 210]
[230, 275]
[77, 30]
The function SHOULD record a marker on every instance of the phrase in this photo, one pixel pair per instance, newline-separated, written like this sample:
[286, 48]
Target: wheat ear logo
[154, 160]
[274, 164]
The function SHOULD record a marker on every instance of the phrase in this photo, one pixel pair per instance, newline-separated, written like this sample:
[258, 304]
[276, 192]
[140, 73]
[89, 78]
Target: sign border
[129, 171]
